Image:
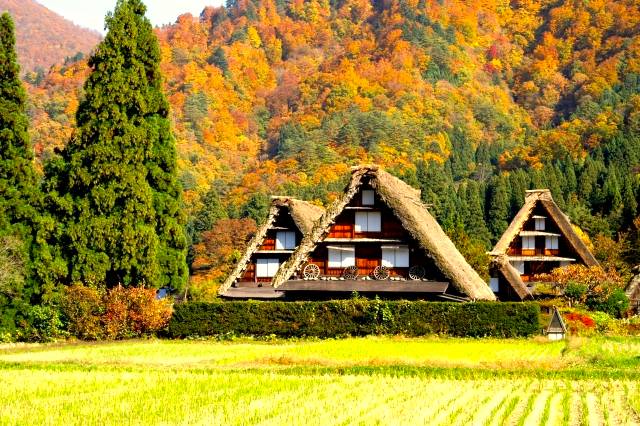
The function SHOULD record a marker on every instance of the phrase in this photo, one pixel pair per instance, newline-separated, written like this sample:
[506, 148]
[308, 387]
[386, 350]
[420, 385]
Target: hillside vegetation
[474, 102]
[45, 38]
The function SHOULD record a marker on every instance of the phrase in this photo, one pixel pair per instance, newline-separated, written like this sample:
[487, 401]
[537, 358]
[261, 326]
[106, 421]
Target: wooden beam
[387, 286]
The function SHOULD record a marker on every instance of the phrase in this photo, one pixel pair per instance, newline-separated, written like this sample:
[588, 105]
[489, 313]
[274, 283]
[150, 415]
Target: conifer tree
[115, 186]
[18, 184]
[475, 224]
[162, 164]
[498, 207]
[18, 180]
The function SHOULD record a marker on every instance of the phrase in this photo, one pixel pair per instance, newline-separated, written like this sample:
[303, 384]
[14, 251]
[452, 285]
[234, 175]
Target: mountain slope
[45, 38]
[271, 96]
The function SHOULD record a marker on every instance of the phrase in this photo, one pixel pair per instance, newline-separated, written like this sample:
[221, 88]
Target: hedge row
[355, 317]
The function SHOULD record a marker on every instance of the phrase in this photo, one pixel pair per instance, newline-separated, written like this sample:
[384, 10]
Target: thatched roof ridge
[406, 204]
[304, 215]
[502, 265]
[543, 196]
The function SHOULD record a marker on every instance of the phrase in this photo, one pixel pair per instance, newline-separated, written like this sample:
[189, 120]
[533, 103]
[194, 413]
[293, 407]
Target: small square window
[368, 197]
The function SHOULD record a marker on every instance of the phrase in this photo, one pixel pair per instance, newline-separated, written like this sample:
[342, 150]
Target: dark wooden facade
[267, 250]
[369, 245]
[540, 257]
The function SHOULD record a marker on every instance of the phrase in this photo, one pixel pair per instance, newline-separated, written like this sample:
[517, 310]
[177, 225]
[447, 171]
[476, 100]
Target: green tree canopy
[115, 186]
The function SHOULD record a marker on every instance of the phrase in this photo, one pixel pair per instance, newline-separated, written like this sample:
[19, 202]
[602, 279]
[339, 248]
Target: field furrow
[341, 382]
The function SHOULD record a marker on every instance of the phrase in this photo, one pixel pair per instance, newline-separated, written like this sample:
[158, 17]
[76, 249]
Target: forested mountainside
[474, 102]
[45, 38]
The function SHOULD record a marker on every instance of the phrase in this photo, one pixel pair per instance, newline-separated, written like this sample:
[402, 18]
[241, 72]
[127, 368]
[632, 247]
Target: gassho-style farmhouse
[379, 238]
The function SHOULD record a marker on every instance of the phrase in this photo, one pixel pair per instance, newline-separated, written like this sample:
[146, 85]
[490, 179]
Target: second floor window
[551, 243]
[368, 222]
[285, 240]
[528, 243]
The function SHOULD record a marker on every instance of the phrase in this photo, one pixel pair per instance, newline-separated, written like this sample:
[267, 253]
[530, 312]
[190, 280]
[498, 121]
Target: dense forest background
[473, 102]
[45, 38]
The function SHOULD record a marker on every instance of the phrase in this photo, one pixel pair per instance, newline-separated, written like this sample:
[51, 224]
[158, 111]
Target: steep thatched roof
[543, 197]
[502, 265]
[304, 215]
[534, 198]
[405, 202]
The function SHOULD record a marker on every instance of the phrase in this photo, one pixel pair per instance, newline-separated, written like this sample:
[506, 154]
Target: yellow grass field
[376, 380]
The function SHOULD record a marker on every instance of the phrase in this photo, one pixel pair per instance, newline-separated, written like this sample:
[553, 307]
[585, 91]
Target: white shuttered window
[285, 240]
[495, 284]
[266, 268]
[341, 256]
[368, 222]
[529, 243]
[551, 243]
[395, 256]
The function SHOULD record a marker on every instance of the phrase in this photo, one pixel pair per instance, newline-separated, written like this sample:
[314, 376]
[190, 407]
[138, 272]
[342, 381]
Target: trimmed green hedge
[356, 317]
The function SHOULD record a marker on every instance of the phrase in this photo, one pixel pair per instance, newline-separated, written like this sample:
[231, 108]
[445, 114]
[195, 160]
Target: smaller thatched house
[379, 238]
[275, 240]
[539, 239]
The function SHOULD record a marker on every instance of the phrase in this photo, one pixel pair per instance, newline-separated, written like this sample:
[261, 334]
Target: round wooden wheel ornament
[311, 271]
[381, 273]
[416, 272]
[350, 273]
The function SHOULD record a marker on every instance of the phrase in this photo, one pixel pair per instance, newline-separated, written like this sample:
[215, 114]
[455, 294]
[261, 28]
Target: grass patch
[382, 380]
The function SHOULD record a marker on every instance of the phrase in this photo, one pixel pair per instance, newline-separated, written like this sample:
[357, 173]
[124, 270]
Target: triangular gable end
[405, 204]
[538, 200]
[556, 325]
[543, 198]
[303, 215]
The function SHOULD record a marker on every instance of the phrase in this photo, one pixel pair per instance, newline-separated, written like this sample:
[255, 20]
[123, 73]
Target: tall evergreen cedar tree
[18, 180]
[115, 185]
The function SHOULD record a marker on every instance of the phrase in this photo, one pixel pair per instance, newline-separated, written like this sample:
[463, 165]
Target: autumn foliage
[45, 38]
[118, 313]
[272, 97]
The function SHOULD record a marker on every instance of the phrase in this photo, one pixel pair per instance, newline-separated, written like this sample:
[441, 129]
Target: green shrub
[45, 324]
[615, 304]
[355, 317]
[576, 292]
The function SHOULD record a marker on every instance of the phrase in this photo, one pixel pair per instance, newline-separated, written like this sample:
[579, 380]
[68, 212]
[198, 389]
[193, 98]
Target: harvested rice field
[377, 380]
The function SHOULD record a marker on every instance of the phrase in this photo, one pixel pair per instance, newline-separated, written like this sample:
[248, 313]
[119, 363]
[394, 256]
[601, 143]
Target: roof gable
[543, 198]
[304, 215]
[556, 325]
[405, 203]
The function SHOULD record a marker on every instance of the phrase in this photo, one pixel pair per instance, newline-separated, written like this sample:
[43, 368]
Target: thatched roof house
[402, 206]
[538, 239]
[288, 215]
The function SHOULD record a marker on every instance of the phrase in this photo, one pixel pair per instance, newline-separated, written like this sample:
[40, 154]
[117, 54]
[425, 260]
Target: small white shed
[557, 329]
